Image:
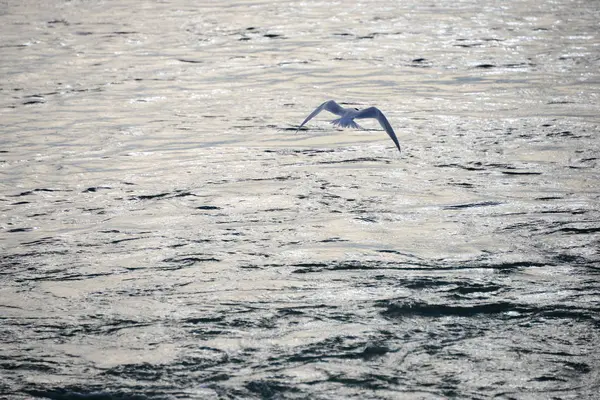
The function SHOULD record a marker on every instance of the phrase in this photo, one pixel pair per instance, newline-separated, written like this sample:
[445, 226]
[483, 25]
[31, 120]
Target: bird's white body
[347, 119]
[348, 115]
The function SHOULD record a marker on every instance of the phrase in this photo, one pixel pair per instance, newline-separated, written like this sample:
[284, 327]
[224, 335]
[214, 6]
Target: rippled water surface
[165, 233]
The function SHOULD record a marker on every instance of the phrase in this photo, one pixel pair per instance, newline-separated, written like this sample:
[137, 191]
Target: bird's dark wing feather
[330, 106]
[373, 112]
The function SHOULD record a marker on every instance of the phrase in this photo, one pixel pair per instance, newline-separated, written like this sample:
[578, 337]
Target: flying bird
[348, 115]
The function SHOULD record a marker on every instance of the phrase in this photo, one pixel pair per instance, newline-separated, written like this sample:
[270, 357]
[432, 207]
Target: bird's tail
[346, 123]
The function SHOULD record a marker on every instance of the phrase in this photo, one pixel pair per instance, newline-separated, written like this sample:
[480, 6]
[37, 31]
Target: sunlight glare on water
[166, 233]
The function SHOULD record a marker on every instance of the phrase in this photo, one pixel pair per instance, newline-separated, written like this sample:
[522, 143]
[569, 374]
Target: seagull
[348, 115]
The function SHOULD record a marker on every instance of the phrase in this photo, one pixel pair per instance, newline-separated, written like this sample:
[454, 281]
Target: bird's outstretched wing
[373, 112]
[330, 106]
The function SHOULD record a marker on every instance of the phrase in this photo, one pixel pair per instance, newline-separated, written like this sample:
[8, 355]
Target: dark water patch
[281, 64]
[502, 310]
[97, 211]
[564, 134]
[471, 288]
[107, 326]
[35, 100]
[202, 357]
[273, 178]
[269, 389]
[579, 367]
[56, 274]
[79, 277]
[117, 241]
[521, 173]
[557, 353]
[333, 240]
[560, 102]
[463, 184]
[313, 152]
[373, 351]
[203, 320]
[310, 267]
[477, 166]
[124, 33]
[339, 347]
[11, 262]
[61, 21]
[502, 165]
[303, 268]
[371, 220]
[253, 32]
[164, 195]
[547, 198]
[17, 46]
[590, 314]
[518, 65]
[578, 231]
[417, 265]
[573, 260]
[187, 60]
[77, 393]
[424, 283]
[414, 308]
[94, 189]
[471, 205]
[468, 45]
[548, 378]
[207, 208]
[356, 160]
[139, 372]
[509, 267]
[290, 312]
[182, 193]
[401, 253]
[188, 260]
[43, 241]
[18, 230]
[580, 166]
[29, 192]
[28, 364]
[362, 383]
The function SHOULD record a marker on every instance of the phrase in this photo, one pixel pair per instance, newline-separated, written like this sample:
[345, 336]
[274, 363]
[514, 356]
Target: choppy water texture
[166, 234]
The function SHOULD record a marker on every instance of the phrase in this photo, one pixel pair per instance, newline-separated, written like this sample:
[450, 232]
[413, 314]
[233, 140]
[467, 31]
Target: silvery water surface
[166, 234]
